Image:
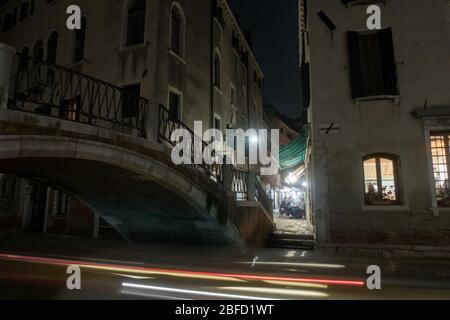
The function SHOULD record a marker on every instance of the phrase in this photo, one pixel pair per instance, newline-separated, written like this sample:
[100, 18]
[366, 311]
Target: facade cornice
[229, 13]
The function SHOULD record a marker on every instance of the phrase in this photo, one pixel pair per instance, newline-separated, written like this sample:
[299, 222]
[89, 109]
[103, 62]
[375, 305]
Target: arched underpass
[144, 199]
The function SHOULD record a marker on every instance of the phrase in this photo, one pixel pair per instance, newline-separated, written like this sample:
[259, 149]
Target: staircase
[290, 241]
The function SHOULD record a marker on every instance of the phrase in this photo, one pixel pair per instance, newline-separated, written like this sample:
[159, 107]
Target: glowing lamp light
[305, 184]
[291, 179]
[254, 139]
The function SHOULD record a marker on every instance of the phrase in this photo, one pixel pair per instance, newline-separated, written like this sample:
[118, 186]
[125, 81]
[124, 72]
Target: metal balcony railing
[263, 198]
[240, 184]
[55, 91]
[168, 125]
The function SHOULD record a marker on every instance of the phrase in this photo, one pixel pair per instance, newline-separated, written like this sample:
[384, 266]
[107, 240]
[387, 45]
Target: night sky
[274, 28]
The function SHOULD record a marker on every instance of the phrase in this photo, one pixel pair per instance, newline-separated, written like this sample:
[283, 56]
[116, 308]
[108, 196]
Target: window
[24, 10]
[52, 47]
[235, 66]
[136, 23]
[24, 59]
[440, 156]
[381, 185]
[244, 73]
[233, 96]
[80, 41]
[219, 17]
[9, 187]
[217, 69]
[71, 109]
[372, 64]
[177, 31]
[38, 50]
[217, 123]
[59, 204]
[233, 123]
[9, 194]
[7, 22]
[131, 101]
[14, 17]
[175, 105]
[244, 95]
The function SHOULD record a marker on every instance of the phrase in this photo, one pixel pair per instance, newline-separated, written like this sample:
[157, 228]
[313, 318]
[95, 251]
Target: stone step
[283, 235]
[290, 242]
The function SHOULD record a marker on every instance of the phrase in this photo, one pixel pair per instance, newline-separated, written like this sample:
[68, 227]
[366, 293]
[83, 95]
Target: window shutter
[355, 63]
[388, 62]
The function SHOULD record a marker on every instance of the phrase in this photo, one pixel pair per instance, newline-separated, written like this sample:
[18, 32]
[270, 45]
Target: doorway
[291, 216]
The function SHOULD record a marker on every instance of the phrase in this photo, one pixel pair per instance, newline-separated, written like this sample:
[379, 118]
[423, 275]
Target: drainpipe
[7, 55]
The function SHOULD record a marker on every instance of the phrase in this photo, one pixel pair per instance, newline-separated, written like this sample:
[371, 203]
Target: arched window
[7, 22]
[381, 181]
[217, 68]
[38, 50]
[31, 7]
[80, 41]
[136, 23]
[24, 58]
[52, 47]
[24, 10]
[177, 26]
[14, 17]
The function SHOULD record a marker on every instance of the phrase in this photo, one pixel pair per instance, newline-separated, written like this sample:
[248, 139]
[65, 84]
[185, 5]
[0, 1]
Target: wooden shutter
[355, 64]
[388, 62]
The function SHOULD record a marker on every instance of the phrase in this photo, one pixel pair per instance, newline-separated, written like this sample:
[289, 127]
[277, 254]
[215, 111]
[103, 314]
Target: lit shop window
[440, 155]
[381, 185]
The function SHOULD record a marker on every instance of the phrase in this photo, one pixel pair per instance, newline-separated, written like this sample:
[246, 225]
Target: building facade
[379, 120]
[190, 57]
[33, 207]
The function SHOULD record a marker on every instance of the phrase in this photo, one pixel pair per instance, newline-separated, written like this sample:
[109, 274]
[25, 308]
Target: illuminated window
[59, 204]
[440, 155]
[381, 185]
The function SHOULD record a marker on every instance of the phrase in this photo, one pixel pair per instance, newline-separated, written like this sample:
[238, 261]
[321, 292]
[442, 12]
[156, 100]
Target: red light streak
[180, 272]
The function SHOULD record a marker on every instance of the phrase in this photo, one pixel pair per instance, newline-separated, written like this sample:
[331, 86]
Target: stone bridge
[111, 150]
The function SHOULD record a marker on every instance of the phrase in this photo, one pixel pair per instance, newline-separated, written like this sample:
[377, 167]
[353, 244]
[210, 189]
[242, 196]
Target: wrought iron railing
[168, 125]
[263, 198]
[239, 184]
[55, 91]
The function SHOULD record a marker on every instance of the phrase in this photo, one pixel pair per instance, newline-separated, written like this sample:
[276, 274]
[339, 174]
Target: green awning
[294, 153]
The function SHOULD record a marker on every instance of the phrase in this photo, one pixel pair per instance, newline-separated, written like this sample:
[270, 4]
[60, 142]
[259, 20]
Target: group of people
[293, 209]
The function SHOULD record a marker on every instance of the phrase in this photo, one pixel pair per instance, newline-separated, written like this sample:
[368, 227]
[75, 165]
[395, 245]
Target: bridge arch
[145, 196]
